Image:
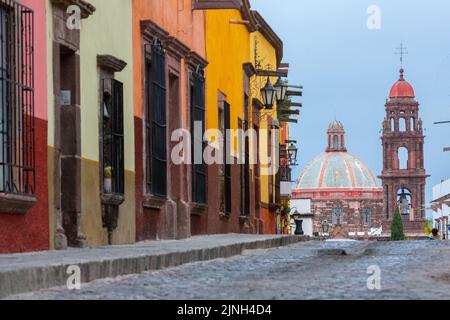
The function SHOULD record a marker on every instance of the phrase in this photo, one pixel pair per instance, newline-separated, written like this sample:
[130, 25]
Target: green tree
[397, 227]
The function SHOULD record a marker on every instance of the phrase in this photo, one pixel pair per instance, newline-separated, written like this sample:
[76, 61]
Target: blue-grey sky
[347, 71]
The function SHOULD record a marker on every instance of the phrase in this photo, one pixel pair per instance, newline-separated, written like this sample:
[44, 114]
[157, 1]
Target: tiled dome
[336, 170]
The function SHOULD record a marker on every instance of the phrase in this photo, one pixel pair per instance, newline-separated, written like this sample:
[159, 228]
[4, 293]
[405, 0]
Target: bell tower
[404, 175]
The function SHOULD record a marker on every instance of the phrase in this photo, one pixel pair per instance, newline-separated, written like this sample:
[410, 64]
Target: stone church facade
[342, 189]
[345, 193]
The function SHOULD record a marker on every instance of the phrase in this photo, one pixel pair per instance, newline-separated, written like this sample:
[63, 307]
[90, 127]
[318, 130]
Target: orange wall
[270, 221]
[177, 18]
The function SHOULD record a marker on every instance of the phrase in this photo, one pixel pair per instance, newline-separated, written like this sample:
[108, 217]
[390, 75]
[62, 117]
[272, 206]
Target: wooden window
[17, 150]
[113, 164]
[156, 122]
[198, 114]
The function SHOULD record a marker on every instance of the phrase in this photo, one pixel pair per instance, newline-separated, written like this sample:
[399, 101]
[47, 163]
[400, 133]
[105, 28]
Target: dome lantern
[336, 137]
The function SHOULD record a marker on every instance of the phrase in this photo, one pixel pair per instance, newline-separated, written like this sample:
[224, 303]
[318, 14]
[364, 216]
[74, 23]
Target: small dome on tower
[402, 88]
[336, 137]
[336, 125]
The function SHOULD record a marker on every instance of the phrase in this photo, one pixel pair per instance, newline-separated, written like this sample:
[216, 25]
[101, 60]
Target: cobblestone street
[312, 270]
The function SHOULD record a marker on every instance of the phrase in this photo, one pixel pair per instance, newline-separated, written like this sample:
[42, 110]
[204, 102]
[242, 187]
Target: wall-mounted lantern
[281, 87]
[268, 94]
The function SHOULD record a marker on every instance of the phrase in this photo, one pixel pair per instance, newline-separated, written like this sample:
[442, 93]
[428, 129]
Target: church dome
[402, 88]
[336, 168]
[332, 170]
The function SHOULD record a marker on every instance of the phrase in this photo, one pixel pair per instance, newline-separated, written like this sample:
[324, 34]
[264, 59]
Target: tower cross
[402, 52]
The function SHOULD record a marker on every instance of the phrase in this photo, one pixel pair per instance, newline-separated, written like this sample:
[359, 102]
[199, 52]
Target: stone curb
[38, 278]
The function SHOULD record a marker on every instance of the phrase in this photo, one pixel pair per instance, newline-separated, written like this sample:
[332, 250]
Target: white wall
[441, 190]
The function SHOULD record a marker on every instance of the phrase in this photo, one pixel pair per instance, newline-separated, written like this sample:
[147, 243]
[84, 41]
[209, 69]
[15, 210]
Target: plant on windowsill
[107, 182]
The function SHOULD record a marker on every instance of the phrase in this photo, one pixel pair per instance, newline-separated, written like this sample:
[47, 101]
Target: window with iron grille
[241, 167]
[113, 137]
[246, 167]
[198, 115]
[156, 121]
[17, 150]
[257, 170]
[270, 177]
[227, 151]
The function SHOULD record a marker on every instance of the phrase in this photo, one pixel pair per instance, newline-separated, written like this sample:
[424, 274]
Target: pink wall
[40, 56]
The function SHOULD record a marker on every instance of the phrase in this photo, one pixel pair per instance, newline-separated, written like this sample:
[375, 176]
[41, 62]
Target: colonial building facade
[23, 129]
[94, 93]
[342, 189]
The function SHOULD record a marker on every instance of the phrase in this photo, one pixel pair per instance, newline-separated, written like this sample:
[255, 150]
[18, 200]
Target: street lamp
[292, 151]
[268, 94]
[281, 88]
[298, 223]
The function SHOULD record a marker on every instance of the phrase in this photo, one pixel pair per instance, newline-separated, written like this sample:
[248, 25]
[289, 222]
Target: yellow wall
[266, 56]
[107, 31]
[227, 49]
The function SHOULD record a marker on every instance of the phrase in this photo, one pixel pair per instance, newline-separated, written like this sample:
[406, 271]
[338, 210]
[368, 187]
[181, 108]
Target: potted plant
[107, 179]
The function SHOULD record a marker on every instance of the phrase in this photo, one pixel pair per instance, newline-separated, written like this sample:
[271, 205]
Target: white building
[441, 207]
[303, 208]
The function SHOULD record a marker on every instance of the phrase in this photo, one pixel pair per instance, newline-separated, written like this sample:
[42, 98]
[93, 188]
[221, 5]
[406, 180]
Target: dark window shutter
[199, 115]
[227, 156]
[148, 125]
[159, 121]
[118, 138]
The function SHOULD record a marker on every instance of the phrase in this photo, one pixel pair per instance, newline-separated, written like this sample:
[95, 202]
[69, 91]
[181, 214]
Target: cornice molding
[175, 47]
[216, 4]
[193, 59]
[87, 9]
[249, 69]
[110, 62]
[151, 30]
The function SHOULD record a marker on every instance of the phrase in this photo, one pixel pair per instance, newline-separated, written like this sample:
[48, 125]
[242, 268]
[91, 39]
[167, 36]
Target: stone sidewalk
[27, 272]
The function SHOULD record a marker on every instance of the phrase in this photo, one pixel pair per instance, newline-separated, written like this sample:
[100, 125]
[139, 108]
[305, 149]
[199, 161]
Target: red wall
[30, 231]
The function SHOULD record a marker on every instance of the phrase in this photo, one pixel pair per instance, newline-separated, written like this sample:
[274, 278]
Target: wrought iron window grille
[17, 127]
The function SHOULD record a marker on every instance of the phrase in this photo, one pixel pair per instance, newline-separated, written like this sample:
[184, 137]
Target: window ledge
[198, 209]
[112, 199]
[153, 202]
[244, 218]
[224, 216]
[13, 203]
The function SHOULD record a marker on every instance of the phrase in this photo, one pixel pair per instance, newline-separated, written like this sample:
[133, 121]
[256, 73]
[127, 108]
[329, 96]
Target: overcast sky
[348, 69]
